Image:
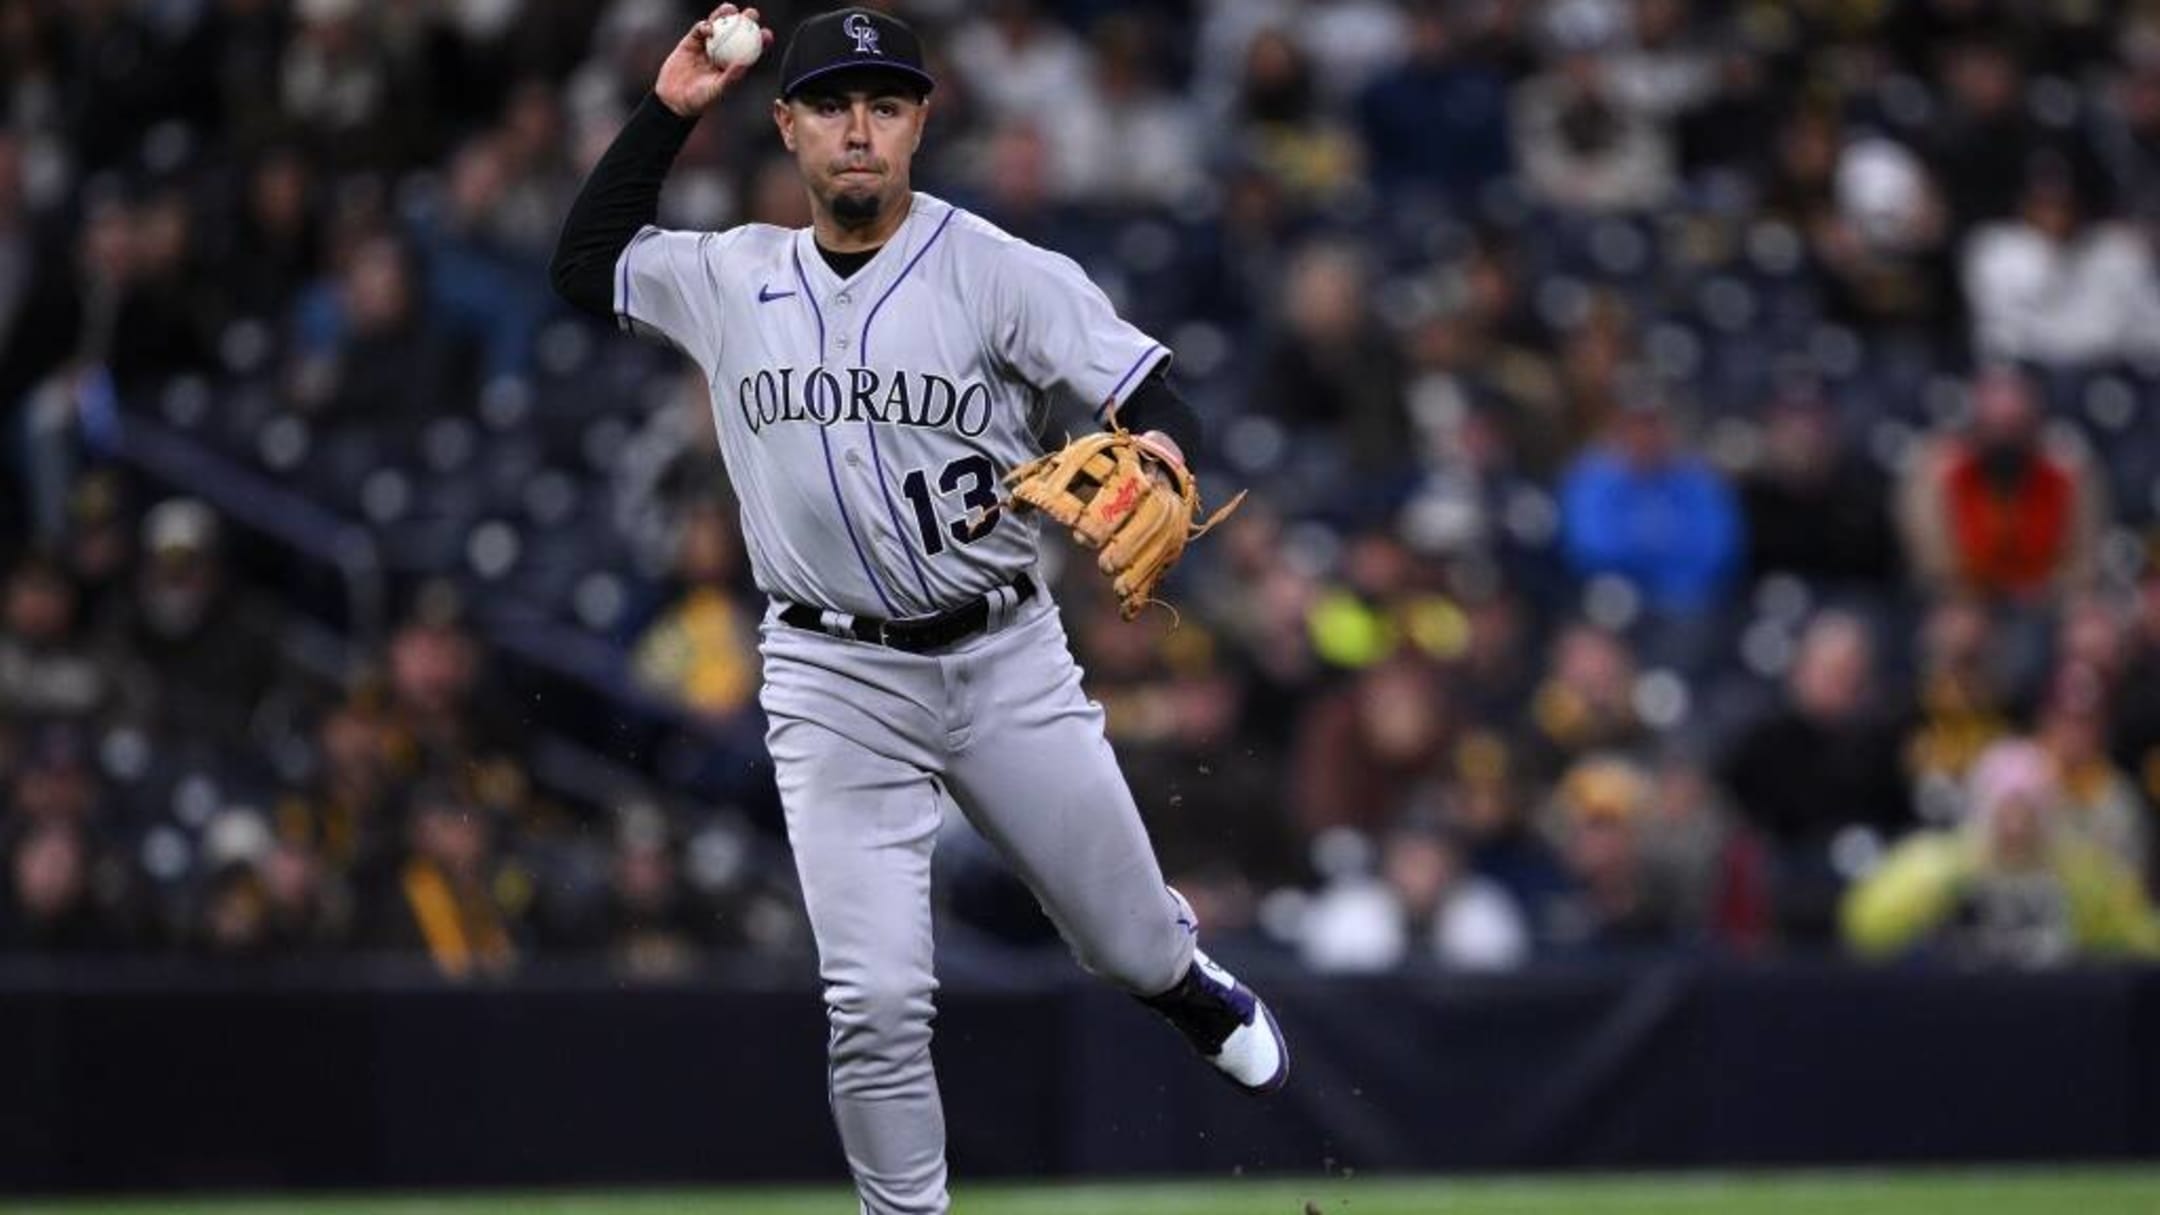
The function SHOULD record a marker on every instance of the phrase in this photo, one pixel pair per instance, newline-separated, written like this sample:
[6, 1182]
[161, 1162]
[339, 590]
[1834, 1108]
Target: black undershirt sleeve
[621, 196]
[1155, 405]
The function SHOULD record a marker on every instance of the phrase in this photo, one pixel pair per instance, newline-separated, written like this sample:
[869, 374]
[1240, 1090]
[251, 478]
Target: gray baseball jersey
[867, 422]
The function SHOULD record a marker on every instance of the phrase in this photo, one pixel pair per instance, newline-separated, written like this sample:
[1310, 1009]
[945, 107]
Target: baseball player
[875, 378]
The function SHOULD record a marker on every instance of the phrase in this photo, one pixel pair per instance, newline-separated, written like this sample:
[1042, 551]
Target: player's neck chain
[920, 399]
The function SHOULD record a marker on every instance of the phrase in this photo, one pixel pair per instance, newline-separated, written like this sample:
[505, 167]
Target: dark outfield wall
[132, 1081]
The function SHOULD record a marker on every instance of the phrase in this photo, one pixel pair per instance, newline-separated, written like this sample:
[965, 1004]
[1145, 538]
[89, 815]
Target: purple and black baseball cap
[852, 40]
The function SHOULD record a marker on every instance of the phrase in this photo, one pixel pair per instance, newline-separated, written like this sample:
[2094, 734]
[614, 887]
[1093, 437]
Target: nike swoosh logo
[766, 295]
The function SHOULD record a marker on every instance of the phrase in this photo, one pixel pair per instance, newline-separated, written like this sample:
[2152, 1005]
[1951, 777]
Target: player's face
[854, 148]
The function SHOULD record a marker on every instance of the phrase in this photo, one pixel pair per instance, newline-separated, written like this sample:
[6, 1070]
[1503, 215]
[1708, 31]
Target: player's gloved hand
[1128, 496]
[689, 84]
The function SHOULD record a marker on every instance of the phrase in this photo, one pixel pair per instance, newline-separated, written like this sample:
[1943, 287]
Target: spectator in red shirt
[1998, 511]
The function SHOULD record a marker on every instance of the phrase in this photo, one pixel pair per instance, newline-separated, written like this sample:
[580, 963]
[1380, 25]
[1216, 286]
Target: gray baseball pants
[870, 744]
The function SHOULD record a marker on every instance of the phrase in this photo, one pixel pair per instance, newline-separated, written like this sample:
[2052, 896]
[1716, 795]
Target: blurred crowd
[179, 783]
[1703, 461]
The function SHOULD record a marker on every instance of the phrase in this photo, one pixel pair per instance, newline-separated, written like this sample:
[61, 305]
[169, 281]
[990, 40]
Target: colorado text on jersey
[817, 395]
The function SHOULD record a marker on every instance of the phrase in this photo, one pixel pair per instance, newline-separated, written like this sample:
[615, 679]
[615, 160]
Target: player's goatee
[856, 210]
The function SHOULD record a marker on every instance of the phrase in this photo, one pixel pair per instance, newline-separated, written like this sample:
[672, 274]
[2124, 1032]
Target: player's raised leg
[1037, 777]
[862, 826]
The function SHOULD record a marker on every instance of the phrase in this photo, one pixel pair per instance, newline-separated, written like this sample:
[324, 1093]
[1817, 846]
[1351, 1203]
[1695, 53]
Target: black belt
[915, 636]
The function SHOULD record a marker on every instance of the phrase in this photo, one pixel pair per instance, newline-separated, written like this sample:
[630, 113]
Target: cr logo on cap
[858, 27]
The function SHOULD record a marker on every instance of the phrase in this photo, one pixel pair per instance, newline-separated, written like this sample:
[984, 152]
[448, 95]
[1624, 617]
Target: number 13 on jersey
[979, 500]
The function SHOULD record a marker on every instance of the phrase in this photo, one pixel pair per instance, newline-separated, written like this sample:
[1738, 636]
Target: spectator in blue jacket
[1640, 506]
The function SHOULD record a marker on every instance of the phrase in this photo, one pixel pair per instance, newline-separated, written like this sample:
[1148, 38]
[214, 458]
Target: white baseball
[735, 39]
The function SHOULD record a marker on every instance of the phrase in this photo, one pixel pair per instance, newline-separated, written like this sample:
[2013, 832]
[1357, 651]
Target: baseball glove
[1125, 496]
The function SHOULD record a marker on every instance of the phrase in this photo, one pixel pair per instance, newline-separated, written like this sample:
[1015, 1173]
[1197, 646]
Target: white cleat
[1226, 1023]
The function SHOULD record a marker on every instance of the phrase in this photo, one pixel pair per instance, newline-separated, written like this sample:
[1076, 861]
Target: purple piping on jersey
[803, 281]
[1130, 372]
[863, 355]
[862, 359]
[825, 440]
